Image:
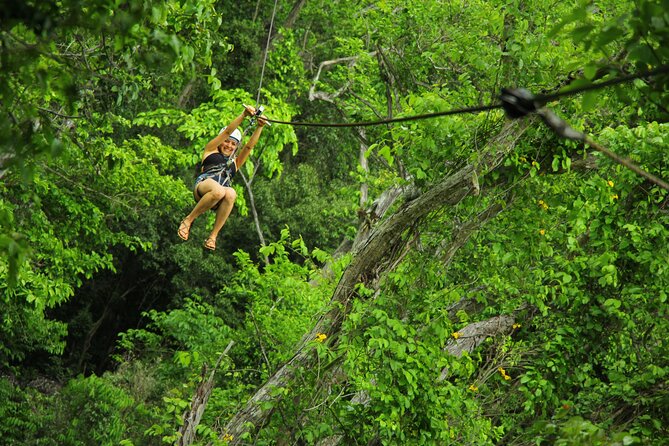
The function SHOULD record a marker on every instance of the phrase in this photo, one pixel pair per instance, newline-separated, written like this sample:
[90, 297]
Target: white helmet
[236, 134]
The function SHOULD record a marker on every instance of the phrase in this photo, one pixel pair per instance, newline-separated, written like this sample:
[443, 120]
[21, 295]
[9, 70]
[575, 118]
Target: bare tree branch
[329, 97]
[474, 334]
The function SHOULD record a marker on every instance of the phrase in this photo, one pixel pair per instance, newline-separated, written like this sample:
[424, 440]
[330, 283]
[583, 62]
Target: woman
[212, 187]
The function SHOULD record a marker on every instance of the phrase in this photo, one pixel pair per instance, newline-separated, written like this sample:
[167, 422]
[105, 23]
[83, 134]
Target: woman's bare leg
[223, 211]
[211, 193]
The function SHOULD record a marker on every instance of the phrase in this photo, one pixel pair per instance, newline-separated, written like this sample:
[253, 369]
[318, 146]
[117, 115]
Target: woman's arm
[246, 151]
[212, 145]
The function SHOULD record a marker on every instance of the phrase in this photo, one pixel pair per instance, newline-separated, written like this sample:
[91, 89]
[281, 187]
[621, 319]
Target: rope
[262, 75]
[627, 163]
[517, 103]
[539, 100]
[264, 61]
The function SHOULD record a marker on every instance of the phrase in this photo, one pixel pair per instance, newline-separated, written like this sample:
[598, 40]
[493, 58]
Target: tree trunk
[370, 216]
[463, 232]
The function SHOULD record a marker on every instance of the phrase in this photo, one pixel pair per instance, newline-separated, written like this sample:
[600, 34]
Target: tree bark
[462, 233]
[192, 417]
[370, 216]
[474, 334]
[294, 13]
[371, 257]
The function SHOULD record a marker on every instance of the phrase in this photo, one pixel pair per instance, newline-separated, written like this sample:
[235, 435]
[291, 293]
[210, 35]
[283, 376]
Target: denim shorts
[221, 179]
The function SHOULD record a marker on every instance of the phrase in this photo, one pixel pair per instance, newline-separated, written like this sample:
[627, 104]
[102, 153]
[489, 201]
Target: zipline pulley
[259, 111]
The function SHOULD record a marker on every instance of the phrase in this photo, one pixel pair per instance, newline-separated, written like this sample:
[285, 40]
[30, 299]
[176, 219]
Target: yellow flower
[523, 159]
[456, 335]
[228, 437]
[473, 388]
[614, 197]
[320, 337]
[504, 374]
[610, 183]
[543, 205]
[516, 325]
[542, 231]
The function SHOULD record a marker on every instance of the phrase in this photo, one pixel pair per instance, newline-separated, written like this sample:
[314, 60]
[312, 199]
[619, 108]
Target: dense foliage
[109, 323]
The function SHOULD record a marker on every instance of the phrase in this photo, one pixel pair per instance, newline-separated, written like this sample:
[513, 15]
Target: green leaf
[580, 33]
[267, 250]
[590, 99]
[590, 71]
[613, 303]
[608, 35]
[385, 153]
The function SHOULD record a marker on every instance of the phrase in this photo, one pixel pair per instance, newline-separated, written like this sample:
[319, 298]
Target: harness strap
[220, 171]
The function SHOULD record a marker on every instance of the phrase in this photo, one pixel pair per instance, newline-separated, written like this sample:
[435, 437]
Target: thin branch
[254, 212]
[260, 343]
[86, 188]
[561, 128]
[369, 105]
[331, 96]
[59, 114]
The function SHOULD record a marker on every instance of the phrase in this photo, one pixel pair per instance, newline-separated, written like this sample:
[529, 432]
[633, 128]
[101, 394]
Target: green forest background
[467, 279]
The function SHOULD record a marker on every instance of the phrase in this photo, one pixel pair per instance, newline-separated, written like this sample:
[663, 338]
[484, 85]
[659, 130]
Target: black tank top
[214, 159]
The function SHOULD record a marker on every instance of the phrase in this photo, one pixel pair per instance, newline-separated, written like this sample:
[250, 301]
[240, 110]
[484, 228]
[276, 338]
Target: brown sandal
[210, 244]
[184, 230]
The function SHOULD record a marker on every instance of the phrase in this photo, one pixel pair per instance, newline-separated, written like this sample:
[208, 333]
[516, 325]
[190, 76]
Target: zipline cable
[264, 61]
[262, 74]
[391, 120]
[543, 99]
[540, 100]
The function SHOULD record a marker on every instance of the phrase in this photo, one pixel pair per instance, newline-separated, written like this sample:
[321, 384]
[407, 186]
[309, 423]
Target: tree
[496, 284]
